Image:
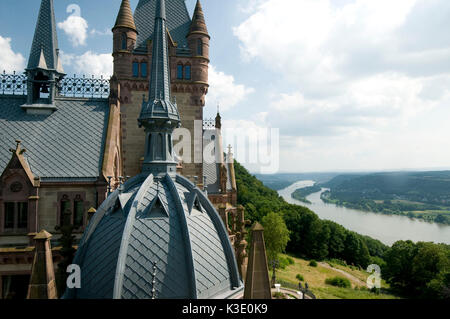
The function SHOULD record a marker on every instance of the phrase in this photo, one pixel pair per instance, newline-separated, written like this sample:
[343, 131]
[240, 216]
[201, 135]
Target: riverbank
[301, 193]
[386, 228]
[392, 207]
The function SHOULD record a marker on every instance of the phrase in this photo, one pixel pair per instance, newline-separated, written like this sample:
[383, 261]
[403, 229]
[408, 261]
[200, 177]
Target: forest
[426, 266]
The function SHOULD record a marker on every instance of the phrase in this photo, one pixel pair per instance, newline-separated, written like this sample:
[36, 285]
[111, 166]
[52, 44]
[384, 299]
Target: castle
[77, 139]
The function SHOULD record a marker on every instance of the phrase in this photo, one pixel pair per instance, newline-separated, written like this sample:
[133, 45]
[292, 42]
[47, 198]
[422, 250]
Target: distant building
[67, 142]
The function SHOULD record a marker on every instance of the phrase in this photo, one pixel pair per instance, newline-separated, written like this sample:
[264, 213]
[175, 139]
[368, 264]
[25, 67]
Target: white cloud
[105, 32]
[89, 63]
[224, 90]
[9, 60]
[315, 42]
[360, 84]
[76, 28]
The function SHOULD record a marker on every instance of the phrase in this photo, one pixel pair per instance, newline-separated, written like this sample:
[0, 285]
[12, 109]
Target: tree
[337, 237]
[429, 264]
[398, 269]
[276, 235]
[317, 239]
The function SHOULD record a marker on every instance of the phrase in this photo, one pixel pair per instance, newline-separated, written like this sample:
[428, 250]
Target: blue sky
[350, 84]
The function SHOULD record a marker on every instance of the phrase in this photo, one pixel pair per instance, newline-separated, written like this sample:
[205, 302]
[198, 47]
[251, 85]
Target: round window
[16, 187]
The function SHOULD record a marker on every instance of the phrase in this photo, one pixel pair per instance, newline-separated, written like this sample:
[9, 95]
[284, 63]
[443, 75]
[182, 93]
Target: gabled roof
[18, 160]
[45, 41]
[178, 21]
[65, 145]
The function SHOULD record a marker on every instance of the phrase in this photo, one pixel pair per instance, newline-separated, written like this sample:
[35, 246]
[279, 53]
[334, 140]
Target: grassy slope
[315, 277]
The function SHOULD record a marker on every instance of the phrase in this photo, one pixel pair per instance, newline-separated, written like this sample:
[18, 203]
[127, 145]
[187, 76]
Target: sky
[350, 85]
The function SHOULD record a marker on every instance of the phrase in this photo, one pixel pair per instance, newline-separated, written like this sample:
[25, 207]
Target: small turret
[198, 36]
[198, 42]
[124, 40]
[44, 69]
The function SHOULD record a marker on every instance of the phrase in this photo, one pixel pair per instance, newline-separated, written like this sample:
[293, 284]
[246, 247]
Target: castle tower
[198, 41]
[171, 226]
[188, 66]
[44, 69]
[124, 40]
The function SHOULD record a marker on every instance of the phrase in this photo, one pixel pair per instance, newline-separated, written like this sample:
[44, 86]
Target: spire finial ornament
[159, 115]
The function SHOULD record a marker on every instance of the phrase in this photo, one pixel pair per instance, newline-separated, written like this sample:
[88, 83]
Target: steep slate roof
[45, 39]
[66, 145]
[178, 21]
[193, 254]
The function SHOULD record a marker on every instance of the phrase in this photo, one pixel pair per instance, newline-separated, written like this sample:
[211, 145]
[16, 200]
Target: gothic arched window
[135, 69]
[187, 72]
[124, 41]
[180, 72]
[65, 213]
[78, 209]
[144, 69]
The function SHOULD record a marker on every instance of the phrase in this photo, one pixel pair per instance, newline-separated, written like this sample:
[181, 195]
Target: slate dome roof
[164, 220]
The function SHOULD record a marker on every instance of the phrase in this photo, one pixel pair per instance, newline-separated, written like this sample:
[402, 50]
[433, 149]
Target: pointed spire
[125, 17]
[159, 115]
[198, 20]
[45, 42]
[160, 104]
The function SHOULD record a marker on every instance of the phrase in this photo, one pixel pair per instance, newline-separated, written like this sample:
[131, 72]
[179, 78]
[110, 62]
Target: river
[386, 228]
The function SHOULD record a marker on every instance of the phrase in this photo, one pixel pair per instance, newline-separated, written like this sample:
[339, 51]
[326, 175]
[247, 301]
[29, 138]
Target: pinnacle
[198, 20]
[125, 17]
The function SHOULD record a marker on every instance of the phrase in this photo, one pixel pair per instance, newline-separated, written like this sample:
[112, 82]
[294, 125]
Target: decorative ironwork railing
[16, 84]
[209, 124]
[84, 87]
